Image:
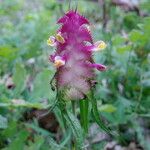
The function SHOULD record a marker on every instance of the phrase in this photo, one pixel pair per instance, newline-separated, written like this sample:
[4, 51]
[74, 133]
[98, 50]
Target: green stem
[73, 107]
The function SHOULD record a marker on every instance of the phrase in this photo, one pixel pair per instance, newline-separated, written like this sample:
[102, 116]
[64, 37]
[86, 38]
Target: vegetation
[30, 117]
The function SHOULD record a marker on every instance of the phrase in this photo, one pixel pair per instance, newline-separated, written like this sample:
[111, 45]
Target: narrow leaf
[96, 114]
[84, 114]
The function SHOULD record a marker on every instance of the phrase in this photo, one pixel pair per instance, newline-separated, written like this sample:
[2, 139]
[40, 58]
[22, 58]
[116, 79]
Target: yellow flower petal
[51, 41]
[59, 63]
[100, 45]
[60, 38]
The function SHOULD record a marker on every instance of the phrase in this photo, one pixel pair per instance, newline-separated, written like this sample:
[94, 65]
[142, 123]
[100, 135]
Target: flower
[73, 56]
[51, 41]
[99, 45]
[58, 61]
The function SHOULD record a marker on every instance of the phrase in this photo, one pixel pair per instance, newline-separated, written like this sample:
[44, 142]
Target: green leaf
[120, 116]
[131, 20]
[66, 138]
[146, 25]
[135, 35]
[11, 130]
[76, 128]
[37, 129]
[19, 78]
[19, 141]
[22, 103]
[41, 87]
[84, 114]
[8, 52]
[123, 49]
[117, 40]
[107, 108]
[3, 122]
[96, 113]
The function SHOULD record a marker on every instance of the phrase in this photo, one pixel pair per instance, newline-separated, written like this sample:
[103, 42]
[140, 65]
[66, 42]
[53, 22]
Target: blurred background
[122, 91]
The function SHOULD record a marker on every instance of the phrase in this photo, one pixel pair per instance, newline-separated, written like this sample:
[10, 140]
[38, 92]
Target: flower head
[73, 56]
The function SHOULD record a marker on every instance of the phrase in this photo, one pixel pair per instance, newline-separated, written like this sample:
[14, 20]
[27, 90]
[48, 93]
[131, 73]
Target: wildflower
[100, 45]
[51, 41]
[59, 62]
[73, 56]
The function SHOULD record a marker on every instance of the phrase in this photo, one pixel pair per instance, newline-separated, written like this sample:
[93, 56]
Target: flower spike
[73, 57]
